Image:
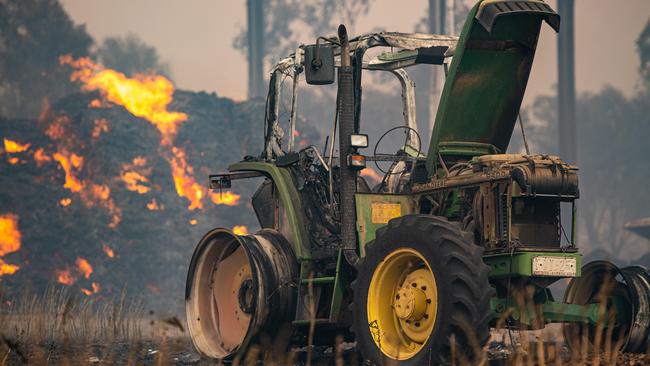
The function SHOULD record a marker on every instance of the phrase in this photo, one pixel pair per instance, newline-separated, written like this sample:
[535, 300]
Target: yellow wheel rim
[402, 304]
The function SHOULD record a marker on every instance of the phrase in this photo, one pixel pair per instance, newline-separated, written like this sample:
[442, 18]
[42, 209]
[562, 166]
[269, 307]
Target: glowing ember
[95, 289]
[95, 103]
[65, 277]
[225, 198]
[71, 164]
[153, 205]
[240, 230]
[108, 251]
[194, 222]
[101, 125]
[41, 157]
[65, 202]
[134, 175]
[13, 160]
[83, 267]
[13, 147]
[134, 182]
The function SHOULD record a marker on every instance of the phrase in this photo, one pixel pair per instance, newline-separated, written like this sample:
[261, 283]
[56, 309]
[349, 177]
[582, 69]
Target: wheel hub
[410, 303]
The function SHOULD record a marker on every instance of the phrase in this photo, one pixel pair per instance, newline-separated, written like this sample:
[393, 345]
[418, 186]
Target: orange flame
[83, 267]
[9, 234]
[134, 175]
[13, 147]
[100, 194]
[184, 182]
[10, 242]
[225, 198]
[148, 97]
[240, 230]
[65, 202]
[7, 269]
[41, 157]
[108, 251]
[65, 277]
[153, 205]
[95, 289]
[194, 222]
[145, 96]
[134, 180]
[71, 164]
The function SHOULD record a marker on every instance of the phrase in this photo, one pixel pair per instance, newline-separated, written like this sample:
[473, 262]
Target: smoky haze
[196, 39]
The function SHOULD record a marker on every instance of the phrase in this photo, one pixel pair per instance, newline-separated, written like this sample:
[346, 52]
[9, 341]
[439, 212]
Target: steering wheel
[401, 152]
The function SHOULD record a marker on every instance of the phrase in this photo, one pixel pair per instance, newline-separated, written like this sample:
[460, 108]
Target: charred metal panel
[491, 10]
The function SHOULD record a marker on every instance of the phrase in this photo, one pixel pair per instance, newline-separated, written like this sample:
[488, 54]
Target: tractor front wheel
[421, 295]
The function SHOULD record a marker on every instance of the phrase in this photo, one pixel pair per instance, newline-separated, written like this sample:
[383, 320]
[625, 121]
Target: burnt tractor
[453, 241]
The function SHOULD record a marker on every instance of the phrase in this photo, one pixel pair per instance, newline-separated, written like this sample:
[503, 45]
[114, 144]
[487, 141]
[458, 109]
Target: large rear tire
[422, 291]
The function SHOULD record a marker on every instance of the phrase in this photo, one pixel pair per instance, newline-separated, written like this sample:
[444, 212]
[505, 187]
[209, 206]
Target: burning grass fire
[147, 97]
[86, 184]
[10, 238]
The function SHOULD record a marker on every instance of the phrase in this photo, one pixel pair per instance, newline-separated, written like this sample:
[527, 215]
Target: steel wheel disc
[403, 298]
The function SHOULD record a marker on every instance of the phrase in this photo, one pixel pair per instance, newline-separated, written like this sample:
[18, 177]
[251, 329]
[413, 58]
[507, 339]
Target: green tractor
[452, 242]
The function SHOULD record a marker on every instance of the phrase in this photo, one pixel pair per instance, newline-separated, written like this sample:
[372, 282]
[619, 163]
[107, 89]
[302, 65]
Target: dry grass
[61, 327]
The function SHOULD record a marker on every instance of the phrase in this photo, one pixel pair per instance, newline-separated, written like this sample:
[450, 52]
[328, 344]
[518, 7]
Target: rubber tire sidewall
[405, 234]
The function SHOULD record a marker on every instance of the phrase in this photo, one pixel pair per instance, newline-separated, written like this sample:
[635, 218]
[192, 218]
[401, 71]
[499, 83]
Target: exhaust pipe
[239, 287]
[346, 129]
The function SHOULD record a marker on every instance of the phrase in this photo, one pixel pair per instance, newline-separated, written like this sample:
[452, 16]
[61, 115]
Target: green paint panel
[375, 210]
[485, 84]
[553, 312]
[521, 263]
[290, 200]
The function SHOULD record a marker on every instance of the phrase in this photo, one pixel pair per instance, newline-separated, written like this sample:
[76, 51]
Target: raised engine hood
[487, 78]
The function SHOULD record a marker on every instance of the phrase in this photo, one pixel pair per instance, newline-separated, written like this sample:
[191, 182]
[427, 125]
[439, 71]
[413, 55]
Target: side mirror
[319, 64]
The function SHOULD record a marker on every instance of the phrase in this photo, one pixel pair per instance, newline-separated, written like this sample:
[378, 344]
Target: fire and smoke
[10, 242]
[69, 276]
[148, 97]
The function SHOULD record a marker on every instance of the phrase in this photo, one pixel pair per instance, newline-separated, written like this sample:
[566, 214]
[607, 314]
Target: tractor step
[318, 280]
[308, 321]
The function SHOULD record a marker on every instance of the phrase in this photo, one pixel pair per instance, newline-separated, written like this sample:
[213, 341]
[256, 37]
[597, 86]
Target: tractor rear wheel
[624, 298]
[422, 294]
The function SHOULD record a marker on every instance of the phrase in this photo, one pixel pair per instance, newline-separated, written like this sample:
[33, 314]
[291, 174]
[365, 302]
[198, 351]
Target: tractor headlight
[359, 140]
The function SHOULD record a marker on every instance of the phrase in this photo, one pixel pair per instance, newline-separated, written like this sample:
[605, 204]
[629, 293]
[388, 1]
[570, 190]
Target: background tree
[131, 55]
[292, 22]
[33, 34]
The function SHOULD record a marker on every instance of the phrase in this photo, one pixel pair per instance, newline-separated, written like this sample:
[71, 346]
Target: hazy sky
[195, 38]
